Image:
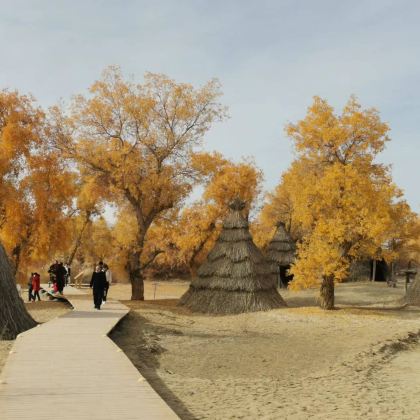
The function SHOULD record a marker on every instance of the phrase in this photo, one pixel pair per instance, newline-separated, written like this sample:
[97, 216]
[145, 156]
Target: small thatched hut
[281, 252]
[412, 296]
[360, 270]
[366, 269]
[236, 277]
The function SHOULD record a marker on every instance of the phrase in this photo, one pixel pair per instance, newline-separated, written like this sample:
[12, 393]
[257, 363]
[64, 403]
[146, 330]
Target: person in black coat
[53, 273]
[68, 273]
[98, 284]
[60, 277]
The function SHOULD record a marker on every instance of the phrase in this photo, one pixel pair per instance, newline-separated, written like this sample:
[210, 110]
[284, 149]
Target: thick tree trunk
[374, 270]
[137, 289]
[193, 271]
[326, 293]
[136, 277]
[135, 268]
[14, 317]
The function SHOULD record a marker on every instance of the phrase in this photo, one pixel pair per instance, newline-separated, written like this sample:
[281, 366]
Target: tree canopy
[139, 140]
[35, 184]
[341, 200]
[136, 150]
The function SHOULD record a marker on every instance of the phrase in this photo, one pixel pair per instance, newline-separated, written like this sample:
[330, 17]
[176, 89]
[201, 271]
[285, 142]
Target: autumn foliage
[342, 203]
[138, 140]
[136, 150]
[35, 185]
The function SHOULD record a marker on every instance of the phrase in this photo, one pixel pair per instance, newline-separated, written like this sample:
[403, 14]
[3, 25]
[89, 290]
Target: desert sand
[5, 347]
[152, 290]
[360, 361]
[42, 312]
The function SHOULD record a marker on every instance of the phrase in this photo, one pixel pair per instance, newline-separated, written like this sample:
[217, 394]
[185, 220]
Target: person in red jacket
[36, 286]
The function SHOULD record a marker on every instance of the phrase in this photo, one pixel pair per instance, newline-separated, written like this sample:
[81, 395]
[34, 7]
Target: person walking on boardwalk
[53, 273]
[98, 283]
[36, 286]
[68, 273]
[30, 288]
[108, 276]
[60, 277]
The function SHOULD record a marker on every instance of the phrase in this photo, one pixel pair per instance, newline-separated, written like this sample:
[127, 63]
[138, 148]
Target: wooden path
[68, 368]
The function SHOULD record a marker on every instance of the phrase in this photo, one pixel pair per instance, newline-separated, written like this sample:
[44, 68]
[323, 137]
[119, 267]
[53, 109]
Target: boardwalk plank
[68, 368]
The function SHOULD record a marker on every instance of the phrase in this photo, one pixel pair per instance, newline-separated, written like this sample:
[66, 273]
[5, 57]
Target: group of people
[60, 275]
[100, 282]
[34, 286]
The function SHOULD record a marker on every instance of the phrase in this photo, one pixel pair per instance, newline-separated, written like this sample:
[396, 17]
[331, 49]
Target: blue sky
[271, 57]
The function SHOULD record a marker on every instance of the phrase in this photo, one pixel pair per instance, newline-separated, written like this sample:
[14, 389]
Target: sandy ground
[42, 312]
[5, 347]
[361, 361]
[45, 310]
[152, 290]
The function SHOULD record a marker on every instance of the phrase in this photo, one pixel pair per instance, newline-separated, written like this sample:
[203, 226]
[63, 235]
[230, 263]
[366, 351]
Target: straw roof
[281, 250]
[412, 296]
[359, 270]
[236, 277]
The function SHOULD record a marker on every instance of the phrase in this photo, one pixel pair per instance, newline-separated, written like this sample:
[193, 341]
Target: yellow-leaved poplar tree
[345, 208]
[18, 133]
[139, 138]
[36, 189]
[182, 238]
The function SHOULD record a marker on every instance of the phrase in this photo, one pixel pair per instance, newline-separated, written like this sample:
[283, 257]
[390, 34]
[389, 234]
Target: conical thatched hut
[412, 296]
[236, 277]
[281, 252]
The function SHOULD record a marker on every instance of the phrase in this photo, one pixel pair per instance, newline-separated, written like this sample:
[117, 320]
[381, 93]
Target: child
[55, 287]
[36, 286]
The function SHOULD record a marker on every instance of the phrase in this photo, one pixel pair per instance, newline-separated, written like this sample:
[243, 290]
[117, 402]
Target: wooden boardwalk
[68, 368]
